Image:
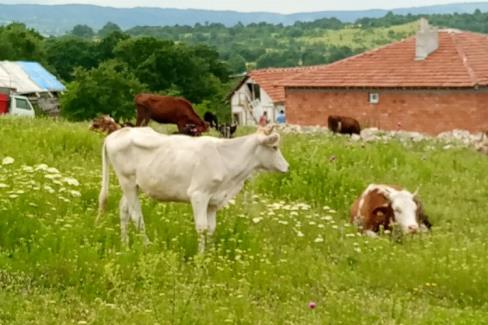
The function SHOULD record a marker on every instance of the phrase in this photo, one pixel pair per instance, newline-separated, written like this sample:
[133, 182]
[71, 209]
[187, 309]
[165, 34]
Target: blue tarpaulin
[41, 76]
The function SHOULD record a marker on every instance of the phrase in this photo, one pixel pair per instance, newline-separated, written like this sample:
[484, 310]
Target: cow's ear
[423, 219]
[384, 212]
[269, 140]
[266, 130]
[387, 192]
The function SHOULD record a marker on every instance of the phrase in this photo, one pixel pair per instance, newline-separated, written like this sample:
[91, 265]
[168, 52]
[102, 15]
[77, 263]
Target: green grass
[285, 241]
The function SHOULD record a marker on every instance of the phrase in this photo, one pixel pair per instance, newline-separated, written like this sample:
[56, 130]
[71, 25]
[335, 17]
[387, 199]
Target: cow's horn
[416, 191]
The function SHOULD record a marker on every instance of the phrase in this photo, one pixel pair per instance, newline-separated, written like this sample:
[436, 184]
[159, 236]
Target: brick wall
[428, 111]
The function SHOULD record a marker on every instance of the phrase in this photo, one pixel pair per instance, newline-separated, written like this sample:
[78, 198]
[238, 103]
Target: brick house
[432, 82]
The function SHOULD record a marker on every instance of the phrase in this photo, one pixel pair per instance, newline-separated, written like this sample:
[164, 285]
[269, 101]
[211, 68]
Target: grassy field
[358, 38]
[284, 243]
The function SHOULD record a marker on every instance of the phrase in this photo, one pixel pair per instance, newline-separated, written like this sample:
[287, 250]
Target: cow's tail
[102, 197]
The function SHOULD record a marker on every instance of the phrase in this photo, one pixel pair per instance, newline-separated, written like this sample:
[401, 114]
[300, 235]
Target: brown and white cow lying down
[204, 171]
[343, 124]
[385, 205]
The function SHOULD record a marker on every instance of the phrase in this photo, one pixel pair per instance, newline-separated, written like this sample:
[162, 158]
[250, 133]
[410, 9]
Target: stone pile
[450, 139]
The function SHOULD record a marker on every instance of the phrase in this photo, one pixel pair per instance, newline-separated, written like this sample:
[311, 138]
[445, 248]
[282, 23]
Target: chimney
[426, 40]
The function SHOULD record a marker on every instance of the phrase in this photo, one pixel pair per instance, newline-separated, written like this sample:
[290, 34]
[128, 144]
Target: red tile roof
[461, 60]
[270, 80]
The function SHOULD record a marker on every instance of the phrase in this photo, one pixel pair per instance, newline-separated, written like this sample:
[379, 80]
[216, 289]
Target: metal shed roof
[27, 77]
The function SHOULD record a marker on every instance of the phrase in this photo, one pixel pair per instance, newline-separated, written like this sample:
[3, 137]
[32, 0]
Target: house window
[254, 90]
[374, 98]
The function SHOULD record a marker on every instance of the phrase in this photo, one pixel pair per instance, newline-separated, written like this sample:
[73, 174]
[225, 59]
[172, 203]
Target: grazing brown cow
[168, 109]
[343, 124]
[384, 205]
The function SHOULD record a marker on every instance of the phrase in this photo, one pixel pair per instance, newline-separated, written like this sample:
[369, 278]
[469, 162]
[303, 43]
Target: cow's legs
[134, 209]
[143, 116]
[181, 126]
[124, 220]
[211, 222]
[211, 219]
[199, 202]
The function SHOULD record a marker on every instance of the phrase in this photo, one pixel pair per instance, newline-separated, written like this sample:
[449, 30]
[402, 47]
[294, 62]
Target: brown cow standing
[168, 110]
[343, 124]
[383, 205]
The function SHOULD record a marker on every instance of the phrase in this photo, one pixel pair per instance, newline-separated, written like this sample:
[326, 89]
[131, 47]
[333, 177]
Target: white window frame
[374, 98]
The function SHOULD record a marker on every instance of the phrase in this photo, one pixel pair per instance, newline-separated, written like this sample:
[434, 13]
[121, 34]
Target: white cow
[205, 171]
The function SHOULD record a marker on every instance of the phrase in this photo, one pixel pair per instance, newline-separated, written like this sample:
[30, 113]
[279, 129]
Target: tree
[107, 45]
[67, 53]
[17, 42]
[288, 58]
[107, 89]
[109, 28]
[196, 72]
[236, 63]
[83, 31]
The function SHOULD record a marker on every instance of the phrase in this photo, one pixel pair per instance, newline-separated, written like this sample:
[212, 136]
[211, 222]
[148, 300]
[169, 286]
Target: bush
[108, 89]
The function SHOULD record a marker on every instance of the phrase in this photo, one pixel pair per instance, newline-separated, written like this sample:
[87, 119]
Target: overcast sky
[281, 6]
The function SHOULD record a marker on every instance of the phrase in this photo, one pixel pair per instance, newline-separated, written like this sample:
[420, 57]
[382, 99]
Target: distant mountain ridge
[58, 19]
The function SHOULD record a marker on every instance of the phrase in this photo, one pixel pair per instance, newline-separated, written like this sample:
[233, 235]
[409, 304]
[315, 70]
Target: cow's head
[268, 151]
[407, 210]
[191, 130]
[202, 127]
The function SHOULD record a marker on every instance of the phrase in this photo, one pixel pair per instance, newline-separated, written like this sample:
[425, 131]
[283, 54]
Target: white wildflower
[319, 239]
[257, 220]
[41, 167]
[48, 188]
[52, 170]
[27, 169]
[300, 234]
[13, 196]
[8, 161]
[75, 193]
[2, 185]
[52, 176]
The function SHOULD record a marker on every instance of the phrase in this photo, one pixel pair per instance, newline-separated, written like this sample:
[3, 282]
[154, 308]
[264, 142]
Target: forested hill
[58, 19]
[306, 43]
